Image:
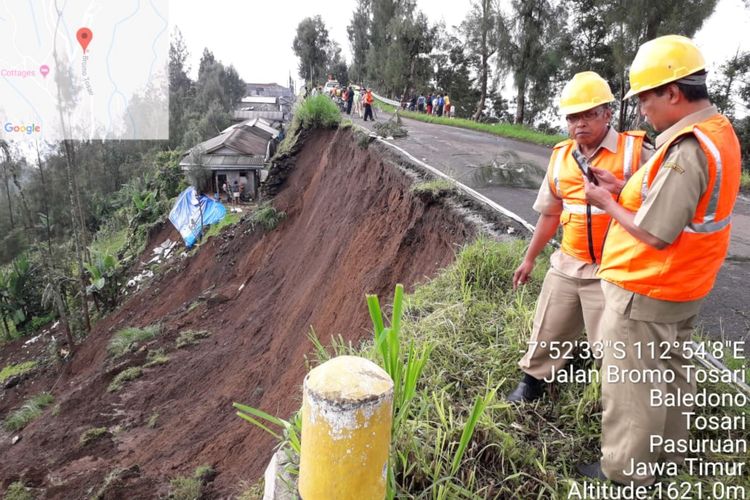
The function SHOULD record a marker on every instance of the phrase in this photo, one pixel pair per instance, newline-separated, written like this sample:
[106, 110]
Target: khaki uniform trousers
[564, 307]
[628, 419]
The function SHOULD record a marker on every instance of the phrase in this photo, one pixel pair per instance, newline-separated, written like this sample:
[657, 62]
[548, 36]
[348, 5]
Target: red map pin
[84, 37]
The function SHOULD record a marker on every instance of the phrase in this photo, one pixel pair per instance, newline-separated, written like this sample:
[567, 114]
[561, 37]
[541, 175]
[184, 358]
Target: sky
[256, 36]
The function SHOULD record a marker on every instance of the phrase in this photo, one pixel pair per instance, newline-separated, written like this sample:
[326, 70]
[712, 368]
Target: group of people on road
[433, 104]
[645, 232]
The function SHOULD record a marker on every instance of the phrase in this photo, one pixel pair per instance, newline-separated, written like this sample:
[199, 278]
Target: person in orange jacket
[368, 105]
[668, 239]
[571, 296]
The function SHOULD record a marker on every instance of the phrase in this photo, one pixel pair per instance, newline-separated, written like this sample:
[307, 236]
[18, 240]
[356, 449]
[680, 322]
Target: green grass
[318, 112]
[110, 243]
[520, 132]
[152, 420]
[191, 488]
[459, 438]
[123, 377]
[31, 409]
[267, 217]
[156, 358]
[435, 188]
[128, 339]
[745, 181]
[191, 337]
[17, 491]
[91, 435]
[230, 219]
[17, 369]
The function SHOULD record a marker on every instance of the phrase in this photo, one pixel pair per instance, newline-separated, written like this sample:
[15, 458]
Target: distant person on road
[428, 104]
[368, 105]
[358, 102]
[571, 298]
[440, 104]
[349, 100]
[420, 103]
[447, 106]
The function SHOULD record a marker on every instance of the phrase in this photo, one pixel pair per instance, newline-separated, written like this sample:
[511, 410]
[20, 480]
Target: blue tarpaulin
[186, 214]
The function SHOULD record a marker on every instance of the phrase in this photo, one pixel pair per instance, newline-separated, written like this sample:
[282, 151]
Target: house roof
[257, 126]
[259, 99]
[236, 147]
[242, 114]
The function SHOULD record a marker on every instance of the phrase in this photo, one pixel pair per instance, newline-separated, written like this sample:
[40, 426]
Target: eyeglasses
[587, 116]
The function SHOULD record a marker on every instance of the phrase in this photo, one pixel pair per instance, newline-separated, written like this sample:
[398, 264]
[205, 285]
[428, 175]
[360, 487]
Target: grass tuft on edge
[128, 339]
[31, 409]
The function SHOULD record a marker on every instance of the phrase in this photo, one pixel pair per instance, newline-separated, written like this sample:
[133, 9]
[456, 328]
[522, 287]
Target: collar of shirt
[609, 142]
[691, 119]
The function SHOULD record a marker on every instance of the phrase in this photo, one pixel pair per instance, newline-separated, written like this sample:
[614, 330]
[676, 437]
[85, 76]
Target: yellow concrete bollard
[346, 430]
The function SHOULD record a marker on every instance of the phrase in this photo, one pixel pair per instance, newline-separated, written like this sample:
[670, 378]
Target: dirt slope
[352, 228]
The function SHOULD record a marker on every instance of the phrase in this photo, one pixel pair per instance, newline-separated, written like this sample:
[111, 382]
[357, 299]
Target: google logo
[22, 129]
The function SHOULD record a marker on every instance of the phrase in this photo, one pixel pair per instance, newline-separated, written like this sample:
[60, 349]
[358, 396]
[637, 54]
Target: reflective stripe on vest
[686, 269]
[585, 226]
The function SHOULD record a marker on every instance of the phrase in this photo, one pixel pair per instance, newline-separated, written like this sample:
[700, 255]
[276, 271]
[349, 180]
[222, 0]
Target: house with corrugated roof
[239, 154]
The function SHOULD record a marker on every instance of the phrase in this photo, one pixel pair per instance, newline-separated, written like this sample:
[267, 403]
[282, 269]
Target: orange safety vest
[585, 226]
[368, 98]
[686, 269]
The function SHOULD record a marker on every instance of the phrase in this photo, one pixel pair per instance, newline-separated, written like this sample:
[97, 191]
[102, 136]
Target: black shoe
[591, 471]
[529, 389]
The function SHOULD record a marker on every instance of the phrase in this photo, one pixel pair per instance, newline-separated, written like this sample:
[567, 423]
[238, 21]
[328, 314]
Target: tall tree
[480, 30]
[180, 88]
[383, 11]
[533, 47]
[312, 45]
[358, 32]
[453, 73]
[607, 35]
[407, 65]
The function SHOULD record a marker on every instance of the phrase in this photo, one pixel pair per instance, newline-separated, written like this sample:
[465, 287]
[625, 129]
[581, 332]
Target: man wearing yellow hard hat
[668, 239]
[571, 296]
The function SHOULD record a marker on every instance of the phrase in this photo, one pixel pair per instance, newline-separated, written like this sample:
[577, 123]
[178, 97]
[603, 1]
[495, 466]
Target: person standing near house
[571, 296]
[368, 105]
[668, 239]
[235, 193]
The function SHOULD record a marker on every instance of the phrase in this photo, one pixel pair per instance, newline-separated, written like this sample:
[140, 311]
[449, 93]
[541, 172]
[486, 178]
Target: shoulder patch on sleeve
[674, 166]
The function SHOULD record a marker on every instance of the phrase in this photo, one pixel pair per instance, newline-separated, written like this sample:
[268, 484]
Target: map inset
[84, 69]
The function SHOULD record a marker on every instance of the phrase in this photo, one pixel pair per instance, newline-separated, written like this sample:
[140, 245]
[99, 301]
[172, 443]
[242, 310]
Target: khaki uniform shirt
[669, 206]
[548, 203]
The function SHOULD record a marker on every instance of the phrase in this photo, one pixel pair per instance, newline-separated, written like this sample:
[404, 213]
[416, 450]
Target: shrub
[267, 217]
[186, 488]
[29, 411]
[128, 338]
[433, 189]
[745, 181]
[318, 112]
[92, 435]
[191, 337]
[156, 358]
[126, 375]
[17, 491]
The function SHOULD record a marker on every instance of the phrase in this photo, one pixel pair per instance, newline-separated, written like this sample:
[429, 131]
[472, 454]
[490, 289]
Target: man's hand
[607, 180]
[597, 195]
[521, 276]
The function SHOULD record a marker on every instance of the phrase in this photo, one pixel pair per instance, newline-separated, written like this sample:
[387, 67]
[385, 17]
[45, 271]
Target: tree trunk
[6, 329]
[520, 99]
[61, 310]
[45, 205]
[7, 195]
[483, 87]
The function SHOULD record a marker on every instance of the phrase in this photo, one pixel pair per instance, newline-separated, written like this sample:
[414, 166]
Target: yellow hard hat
[584, 91]
[663, 60]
